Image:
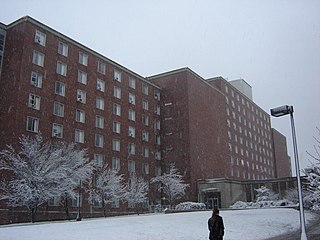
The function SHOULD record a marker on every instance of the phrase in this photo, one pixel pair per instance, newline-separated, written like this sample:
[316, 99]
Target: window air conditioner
[130, 133]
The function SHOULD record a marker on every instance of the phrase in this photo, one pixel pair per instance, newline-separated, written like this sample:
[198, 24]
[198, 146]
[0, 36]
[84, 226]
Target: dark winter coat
[216, 229]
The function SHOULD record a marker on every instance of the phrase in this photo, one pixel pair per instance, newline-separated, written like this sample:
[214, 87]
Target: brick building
[211, 129]
[282, 160]
[249, 132]
[193, 126]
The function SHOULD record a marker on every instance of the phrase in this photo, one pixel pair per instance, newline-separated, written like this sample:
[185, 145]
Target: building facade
[194, 127]
[281, 155]
[249, 132]
[210, 128]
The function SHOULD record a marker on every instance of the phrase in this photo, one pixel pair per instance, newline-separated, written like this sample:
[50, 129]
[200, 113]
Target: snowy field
[240, 224]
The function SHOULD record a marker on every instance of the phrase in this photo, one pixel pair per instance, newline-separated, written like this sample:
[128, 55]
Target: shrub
[190, 206]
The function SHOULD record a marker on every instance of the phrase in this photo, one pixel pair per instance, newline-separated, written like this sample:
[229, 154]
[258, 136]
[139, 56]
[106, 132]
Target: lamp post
[278, 112]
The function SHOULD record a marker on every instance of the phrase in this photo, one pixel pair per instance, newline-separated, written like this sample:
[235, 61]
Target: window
[100, 103]
[101, 67]
[38, 58]
[145, 105]
[158, 140]
[158, 171]
[131, 166]
[58, 109]
[54, 201]
[36, 79]
[60, 88]
[80, 116]
[34, 101]
[98, 140]
[157, 125]
[61, 68]
[145, 89]
[145, 136]
[145, 151]
[132, 149]
[158, 155]
[117, 76]
[116, 109]
[132, 98]
[32, 124]
[77, 201]
[115, 163]
[101, 85]
[57, 130]
[82, 77]
[99, 122]
[117, 92]
[157, 110]
[145, 168]
[83, 58]
[116, 127]
[132, 115]
[79, 136]
[132, 82]
[81, 96]
[132, 132]
[226, 88]
[145, 120]
[116, 145]
[115, 203]
[40, 38]
[63, 49]
[98, 159]
[157, 94]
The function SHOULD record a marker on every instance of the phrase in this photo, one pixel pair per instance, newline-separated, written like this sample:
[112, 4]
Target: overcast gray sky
[273, 44]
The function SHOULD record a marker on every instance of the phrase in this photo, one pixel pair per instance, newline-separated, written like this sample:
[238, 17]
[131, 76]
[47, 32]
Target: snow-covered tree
[313, 176]
[106, 187]
[78, 168]
[172, 184]
[137, 191]
[38, 172]
[265, 194]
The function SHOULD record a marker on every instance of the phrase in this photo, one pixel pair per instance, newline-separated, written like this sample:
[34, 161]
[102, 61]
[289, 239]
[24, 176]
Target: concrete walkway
[313, 232]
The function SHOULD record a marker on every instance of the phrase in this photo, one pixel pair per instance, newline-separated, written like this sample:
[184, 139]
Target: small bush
[190, 206]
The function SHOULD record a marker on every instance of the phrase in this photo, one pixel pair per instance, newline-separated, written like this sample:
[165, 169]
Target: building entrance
[213, 203]
[212, 199]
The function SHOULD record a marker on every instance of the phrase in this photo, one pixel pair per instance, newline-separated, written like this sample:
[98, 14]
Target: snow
[246, 224]
[188, 206]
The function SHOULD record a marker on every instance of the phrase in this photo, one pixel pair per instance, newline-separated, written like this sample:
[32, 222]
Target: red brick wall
[208, 131]
[15, 88]
[194, 126]
[282, 160]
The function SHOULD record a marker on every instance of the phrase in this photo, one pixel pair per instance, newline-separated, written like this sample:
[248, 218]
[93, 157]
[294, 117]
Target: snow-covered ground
[239, 224]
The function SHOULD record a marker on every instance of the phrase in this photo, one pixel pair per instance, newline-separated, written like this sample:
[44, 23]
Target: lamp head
[281, 111]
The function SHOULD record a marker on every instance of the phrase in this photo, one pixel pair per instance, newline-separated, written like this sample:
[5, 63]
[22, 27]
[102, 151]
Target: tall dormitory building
[210, 128]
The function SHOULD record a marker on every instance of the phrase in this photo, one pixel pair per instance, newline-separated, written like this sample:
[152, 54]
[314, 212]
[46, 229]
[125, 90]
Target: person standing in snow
[215, 225]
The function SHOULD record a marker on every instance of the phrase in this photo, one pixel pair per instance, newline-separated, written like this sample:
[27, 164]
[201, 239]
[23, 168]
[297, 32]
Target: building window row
[38, 59]
[116, 165]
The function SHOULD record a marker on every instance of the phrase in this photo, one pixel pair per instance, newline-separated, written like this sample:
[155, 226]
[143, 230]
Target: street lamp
[278, 112]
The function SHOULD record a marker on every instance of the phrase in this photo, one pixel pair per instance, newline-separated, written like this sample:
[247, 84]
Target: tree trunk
[33, 212]
[104, 209]
[66, 207]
